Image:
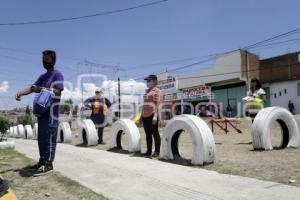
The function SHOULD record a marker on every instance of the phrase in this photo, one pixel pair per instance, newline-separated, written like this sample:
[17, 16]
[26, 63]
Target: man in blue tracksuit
[47, 121]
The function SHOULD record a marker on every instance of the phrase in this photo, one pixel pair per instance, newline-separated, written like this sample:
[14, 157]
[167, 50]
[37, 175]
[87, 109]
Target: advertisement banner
[197, 92]
[168, 84]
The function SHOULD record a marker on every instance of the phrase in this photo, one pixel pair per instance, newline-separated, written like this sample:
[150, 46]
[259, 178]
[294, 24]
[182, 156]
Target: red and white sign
[196, 92]
[168, 84]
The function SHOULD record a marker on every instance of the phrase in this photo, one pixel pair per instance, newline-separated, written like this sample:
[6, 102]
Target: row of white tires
[201, 135]
[87, 134]
[64, 134]
[21, 131]
[203, 141]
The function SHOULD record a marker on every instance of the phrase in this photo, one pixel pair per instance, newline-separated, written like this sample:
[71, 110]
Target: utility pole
[289, 66]
[119, 95]
[247, 69]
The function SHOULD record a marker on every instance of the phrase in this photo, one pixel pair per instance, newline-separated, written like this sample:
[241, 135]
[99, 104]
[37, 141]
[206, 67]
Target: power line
[169, 62]
[252, 46]
[190, 65]
[210, 57]
[18, 59]
[282, 35]
[84, 16]
[227, 73]
[295, 40]
[233, 72]
[183, 67]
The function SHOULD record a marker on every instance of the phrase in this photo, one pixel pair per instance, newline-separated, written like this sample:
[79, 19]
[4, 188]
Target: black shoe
[3, 187]
[36, 166]
[44, 170]
[102, 143]
[147, 154]
[155, 155]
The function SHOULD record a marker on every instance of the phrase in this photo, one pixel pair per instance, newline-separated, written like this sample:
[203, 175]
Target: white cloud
[131, 91]
[4, 87]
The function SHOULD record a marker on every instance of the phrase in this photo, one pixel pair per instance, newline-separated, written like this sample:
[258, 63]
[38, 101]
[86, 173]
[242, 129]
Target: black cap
[51, 53]
[151, 77]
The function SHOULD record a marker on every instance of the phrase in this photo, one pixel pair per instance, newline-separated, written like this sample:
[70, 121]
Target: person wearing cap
[98, 104]
[48, 121]
[150, 115]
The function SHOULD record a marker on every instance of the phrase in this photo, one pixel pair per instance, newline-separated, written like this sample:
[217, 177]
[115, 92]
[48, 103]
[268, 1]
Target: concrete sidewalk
[119, 176]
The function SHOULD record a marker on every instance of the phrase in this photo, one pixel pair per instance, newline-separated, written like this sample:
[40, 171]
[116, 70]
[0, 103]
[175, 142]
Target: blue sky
[173, 30]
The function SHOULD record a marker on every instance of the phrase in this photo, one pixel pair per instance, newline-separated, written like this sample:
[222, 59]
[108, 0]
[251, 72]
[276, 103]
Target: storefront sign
[170, 97]
[168, 84]
[196, 92]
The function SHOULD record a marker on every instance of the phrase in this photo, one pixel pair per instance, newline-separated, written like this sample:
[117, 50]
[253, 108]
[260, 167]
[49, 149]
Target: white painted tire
[7, 133]
[131, 131]
[64, 134]
[28, 132]
[88, 133]
[21, 131]
[201, 135]
[35, 131]
[11, 132]
[7, 145]
[15, 132]
[262, 124]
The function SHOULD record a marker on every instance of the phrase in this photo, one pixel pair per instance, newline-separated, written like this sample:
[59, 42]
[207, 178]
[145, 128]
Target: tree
[75, 110]
[27, 110]
[4, 124]
[26, 119]
[67, 106]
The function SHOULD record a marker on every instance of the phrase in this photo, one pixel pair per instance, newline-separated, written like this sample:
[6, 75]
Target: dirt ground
[13, 168]
[235, 155]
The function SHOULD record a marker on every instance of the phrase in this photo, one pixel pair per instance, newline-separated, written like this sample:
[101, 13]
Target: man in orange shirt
[98, 104]
[150, 115]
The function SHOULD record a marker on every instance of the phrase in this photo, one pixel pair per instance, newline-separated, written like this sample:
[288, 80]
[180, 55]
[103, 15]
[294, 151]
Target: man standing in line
[98, 104]
[48, 120]
[151, 115]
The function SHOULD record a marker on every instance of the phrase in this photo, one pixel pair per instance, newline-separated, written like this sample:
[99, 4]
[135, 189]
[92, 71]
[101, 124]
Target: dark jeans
[151, 130]
[100, 134]
[99, 123]
[47, 136]
[251, 115]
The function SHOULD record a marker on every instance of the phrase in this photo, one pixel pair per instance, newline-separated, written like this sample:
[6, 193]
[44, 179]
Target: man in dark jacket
[98, 104]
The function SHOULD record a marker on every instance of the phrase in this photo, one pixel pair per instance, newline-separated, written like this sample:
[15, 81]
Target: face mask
[48, 65]
[149, 84]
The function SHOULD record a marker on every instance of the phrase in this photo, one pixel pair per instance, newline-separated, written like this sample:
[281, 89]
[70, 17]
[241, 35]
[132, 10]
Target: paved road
[119, 176]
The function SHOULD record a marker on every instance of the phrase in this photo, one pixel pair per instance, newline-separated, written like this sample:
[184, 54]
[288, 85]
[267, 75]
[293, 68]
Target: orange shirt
[99, 106]
[152, 101]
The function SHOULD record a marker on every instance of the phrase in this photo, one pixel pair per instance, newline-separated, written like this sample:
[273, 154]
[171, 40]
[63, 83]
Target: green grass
[13, 168]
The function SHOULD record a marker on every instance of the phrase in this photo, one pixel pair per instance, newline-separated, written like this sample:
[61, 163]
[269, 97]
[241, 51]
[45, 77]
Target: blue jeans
[47, 136]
